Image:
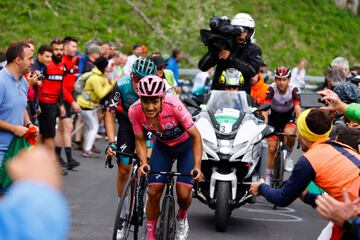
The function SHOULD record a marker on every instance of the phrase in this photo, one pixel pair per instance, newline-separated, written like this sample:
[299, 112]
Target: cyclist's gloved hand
[111, 149]
[197, 174]
[144, 169]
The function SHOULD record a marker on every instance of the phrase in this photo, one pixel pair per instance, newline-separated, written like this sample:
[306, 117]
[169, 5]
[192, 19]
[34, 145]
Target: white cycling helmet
[244, 20]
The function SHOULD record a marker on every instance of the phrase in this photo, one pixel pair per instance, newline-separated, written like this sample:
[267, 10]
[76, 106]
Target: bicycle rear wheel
[167, 224]
[124, 213]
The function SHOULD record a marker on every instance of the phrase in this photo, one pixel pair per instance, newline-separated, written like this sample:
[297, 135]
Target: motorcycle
[232, 136]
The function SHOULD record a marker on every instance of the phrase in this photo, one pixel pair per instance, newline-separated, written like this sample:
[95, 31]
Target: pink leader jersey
[174, 120]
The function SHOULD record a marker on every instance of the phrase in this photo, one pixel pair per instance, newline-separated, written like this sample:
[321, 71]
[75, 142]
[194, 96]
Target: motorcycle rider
[244, 55]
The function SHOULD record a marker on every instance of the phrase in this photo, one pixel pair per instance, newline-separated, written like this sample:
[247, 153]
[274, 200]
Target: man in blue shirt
[173, 64]
[14, 119]
[34, 208]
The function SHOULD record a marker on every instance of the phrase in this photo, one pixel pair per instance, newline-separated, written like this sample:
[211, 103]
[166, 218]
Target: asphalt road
[90, 191]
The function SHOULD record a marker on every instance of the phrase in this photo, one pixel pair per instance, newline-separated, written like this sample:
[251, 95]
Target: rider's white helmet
[244, 20]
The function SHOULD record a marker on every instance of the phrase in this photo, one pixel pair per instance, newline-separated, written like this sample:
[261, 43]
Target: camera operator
[242, 54]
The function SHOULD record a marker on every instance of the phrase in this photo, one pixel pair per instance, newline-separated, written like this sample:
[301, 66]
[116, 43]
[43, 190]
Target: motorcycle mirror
[191, 103]
[263, 107]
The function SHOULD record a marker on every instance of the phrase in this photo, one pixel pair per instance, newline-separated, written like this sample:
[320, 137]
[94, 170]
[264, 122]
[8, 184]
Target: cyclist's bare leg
[122, 177]
[272, 146]
[183, 192]
[153, 203]
[289, 141]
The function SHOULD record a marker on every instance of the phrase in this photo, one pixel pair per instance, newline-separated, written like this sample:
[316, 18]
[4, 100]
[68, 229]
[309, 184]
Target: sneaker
[89, 154]
[72, 164]
[182, 231]
[95, 149]
[289, 164]
[64, 172]
[120, 233]
[62, 162]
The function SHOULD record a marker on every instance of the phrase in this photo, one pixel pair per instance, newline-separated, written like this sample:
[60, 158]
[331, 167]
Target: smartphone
[311, 100]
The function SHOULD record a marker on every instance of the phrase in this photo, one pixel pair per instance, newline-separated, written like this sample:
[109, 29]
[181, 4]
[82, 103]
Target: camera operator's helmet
[282, 72]
[231, 77]
[143, 67]
[151, 86]
[246, 21]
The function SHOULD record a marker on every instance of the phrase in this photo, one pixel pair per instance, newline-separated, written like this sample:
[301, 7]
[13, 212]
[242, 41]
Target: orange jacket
[336, 168]
[258, 90]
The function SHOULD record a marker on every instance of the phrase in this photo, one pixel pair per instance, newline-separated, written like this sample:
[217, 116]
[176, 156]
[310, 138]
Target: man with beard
[244, 55]
[65, 126]
[49, 94]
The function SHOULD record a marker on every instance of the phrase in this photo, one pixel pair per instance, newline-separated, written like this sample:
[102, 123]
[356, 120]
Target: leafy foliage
[285, 30]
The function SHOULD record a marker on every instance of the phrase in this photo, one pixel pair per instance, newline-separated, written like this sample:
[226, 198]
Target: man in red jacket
[65, 126]
[49, 94]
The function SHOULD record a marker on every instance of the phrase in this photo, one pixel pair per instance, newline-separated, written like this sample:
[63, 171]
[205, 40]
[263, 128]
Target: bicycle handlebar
[195, 173]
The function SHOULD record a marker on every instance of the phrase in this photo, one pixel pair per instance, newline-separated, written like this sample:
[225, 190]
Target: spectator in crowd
[31, 43]
[258, 89]
[85, 58]
[34, 207]
[112, 50]
[341, 63]
[137, 53]
[298, 75]
[173, 63]
[105, 50]
[336, 81]
[349, 136]
[166, 74]
[14, 119]
[65, 125]
[97, 86]
[267, 75]
[116, 65]
[200, 85]
[49, 97]
[43, 59]
[144, 50]
[332, 165]
[94, 53]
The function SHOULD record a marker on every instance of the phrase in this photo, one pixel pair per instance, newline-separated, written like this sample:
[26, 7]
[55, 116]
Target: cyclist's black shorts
[125, 138]
[280, 120]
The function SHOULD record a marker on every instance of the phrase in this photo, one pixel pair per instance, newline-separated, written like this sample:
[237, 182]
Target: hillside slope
[285, 30]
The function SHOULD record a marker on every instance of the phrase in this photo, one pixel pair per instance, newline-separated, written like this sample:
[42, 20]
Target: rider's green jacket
[353, 112]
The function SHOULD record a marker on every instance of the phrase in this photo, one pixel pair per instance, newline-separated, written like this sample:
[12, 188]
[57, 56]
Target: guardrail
[311, 82]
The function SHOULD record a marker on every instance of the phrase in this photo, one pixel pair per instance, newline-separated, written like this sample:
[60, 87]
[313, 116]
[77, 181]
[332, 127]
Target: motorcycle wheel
[222, 208]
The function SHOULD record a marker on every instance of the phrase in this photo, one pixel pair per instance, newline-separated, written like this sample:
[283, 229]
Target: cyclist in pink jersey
[176, 138]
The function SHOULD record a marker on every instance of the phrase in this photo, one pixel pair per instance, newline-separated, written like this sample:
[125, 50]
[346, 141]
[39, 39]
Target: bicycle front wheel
[140, 230]
[124, 214]
[167, 224]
